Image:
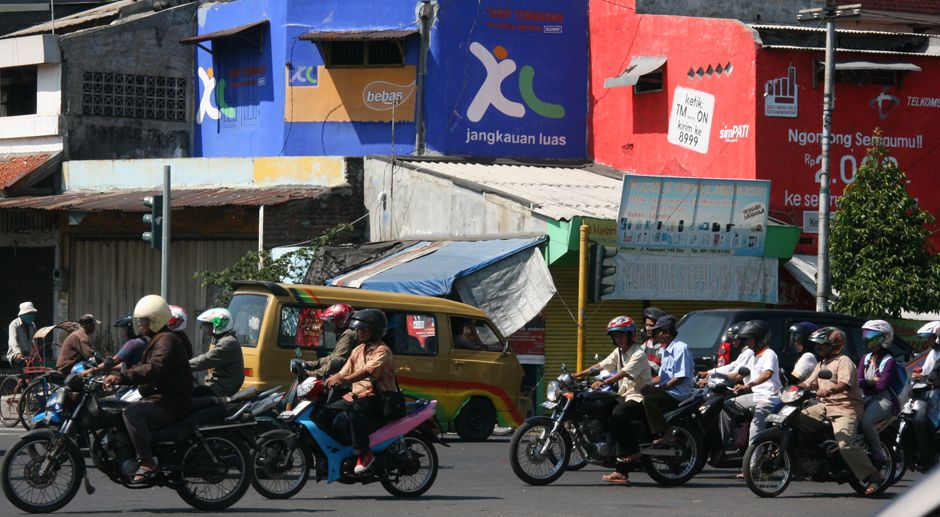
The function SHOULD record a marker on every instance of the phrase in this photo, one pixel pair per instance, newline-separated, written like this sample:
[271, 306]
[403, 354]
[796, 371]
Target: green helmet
[220, 319]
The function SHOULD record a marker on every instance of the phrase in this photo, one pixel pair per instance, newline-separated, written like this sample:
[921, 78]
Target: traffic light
[602, 271]
[155, 220]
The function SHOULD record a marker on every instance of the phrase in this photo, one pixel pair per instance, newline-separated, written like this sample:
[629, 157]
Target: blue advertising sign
[693, 216]
[520, 92]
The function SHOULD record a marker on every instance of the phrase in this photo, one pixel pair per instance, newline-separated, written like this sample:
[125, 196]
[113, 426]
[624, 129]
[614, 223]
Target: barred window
[364, 54]
[136, 96]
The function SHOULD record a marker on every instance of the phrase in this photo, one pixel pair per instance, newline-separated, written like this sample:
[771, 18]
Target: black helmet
[372, 321]
[799, 333]
[126, 320]
[733, 331]
[652, 313]
[756, 329]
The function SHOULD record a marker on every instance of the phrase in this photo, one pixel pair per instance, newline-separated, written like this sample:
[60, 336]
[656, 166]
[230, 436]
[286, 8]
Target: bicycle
[23, 395]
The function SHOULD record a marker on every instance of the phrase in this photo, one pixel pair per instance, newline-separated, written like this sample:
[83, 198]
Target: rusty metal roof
[222, 34]
[357, 35]
[132, 200]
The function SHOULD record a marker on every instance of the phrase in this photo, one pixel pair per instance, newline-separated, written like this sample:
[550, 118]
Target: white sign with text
[690, 121]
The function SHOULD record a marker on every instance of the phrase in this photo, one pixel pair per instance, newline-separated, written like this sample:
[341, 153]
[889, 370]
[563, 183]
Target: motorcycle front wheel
[537, 456]
[418, 476]
[280, 471]
[678, 469]
[213, 482]
[31, 490]
[767, 469]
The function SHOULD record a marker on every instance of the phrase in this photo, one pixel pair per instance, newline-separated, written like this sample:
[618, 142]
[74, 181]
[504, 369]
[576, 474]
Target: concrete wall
[146, 46]
[761, 11]
[416, 204]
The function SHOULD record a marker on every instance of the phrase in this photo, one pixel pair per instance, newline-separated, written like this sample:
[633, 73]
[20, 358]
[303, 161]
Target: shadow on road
[392, 498]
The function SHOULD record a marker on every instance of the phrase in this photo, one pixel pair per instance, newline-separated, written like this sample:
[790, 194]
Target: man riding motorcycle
[164, 378]
[764, 380]
[224, 360]
[348, 338]
[840, 402]
[632, 373]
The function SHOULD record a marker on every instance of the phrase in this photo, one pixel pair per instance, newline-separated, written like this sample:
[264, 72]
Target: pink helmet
[179, 319]
[342, 312]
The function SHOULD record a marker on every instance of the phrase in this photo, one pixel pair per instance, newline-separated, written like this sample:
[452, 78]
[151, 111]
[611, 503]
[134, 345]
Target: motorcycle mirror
[825, 374]
[744, 371]
[108, 362]
[564, 368]
[337, 364]
[98, 357]
[597, 358]
[593, 372]
[298, 353]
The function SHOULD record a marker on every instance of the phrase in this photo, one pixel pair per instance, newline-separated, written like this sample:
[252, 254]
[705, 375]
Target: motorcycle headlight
[551, 391]
[788, 394]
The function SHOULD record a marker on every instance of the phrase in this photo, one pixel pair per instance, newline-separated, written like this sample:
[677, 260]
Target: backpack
[902, 378]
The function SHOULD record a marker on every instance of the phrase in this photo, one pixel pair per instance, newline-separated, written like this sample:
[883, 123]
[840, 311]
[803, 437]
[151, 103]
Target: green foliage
[290, 267]
[881, 260]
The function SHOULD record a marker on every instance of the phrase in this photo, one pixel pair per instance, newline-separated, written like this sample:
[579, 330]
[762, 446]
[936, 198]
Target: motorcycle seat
[212, 414]
[688, 400]
[413, 407]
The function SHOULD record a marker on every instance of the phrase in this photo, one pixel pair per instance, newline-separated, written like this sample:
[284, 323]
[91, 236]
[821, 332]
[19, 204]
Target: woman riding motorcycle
[876, 373]
[799, 340]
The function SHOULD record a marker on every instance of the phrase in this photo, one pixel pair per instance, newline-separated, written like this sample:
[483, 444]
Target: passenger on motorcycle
[633, 373]
[224, 360]
[876, 373]
[652, 349]
[748, 333]
[841, 403]
[764, 380]
[799, 340]
[370, 370]
[341, 315]
[675, 379]
[743, 360]
[164, 378]
[929, 331]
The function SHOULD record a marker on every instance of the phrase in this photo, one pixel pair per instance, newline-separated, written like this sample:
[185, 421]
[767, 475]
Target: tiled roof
[15, 167]
[556, 192]
[907, 6]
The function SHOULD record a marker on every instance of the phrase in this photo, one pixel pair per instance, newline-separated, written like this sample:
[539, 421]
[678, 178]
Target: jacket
[348, 340]
[227, 366]
[163, 375]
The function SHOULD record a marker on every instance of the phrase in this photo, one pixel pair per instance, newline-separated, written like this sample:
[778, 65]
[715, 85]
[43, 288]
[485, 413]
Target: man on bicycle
[21, 334]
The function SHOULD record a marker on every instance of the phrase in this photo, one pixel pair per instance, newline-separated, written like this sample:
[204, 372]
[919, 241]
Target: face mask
[28, 318]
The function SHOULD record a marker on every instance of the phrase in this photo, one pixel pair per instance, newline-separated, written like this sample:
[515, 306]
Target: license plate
[549, 405]
[782, 415]
[290, 415]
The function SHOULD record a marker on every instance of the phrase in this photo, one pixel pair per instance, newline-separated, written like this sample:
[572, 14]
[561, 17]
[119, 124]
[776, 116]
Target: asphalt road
[476, 479]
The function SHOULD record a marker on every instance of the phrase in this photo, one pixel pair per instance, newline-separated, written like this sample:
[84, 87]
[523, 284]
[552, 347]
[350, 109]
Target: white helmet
[871, 336]
[931, 328]
[179, 319]
[220, 319]
[154, 309]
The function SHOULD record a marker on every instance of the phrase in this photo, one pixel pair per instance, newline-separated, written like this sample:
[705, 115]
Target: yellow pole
[582, 293]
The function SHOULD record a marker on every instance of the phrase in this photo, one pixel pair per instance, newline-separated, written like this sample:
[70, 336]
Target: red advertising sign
[528, 343]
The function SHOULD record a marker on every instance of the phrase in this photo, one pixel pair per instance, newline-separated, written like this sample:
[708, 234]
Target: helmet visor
[142, 323]
[873, 338]
[799, 338]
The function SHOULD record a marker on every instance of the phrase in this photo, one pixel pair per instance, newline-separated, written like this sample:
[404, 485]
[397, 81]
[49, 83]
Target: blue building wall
[284, 101]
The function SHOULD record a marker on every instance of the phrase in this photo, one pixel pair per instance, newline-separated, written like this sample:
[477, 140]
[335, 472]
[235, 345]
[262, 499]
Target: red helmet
[342, 312]
[621, 325]
[830, 336]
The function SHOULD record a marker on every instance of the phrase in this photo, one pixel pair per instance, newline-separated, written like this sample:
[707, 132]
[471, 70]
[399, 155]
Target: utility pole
[582, 292]
[830, 13]
[165, 249]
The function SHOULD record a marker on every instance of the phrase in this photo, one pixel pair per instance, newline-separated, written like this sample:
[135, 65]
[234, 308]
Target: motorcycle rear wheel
[27, 488]
[220, 488]
[887, 470]
[280, 471]
[674, 471]
[527, 460]
[416, 481]
[767, 470]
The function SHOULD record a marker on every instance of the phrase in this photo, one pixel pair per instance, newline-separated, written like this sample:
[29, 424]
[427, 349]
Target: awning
[506, 278]
[131, 200]
[379, 34]
[639, 65]
[869, 65]
[235, 31]
[19, 171]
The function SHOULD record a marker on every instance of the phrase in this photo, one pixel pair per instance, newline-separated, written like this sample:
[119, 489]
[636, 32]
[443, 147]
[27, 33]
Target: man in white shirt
[743, 360]
[21, 333]
[764, 379]
[929, 331]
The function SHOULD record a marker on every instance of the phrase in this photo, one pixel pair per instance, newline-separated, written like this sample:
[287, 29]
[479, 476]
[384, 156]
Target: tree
[882, 261]
[255, 265]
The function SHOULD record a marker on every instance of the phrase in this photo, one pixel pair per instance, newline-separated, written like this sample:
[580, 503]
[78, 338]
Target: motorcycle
[406, 462]
[783, 452]
[919, 443]
[719, 392]
[204, 457]
[541, 448]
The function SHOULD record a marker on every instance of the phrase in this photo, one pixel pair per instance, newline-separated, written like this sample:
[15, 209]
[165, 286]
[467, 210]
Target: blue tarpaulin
[433, 274]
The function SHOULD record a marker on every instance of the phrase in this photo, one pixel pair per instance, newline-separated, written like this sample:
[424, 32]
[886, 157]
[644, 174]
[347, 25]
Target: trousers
[141, 418]
[354, 421]
[654, 404]
[743, 405]
[876, 411]
[844, 428]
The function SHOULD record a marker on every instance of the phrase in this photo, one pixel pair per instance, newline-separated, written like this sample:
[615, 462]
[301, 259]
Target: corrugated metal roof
[807, 28]
[222, 34]
[849, 50]
[357, 35]
[104, 13]
[557, 192]
[131, 200]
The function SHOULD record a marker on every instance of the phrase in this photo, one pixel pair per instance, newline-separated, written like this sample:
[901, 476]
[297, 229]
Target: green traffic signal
[155, 220]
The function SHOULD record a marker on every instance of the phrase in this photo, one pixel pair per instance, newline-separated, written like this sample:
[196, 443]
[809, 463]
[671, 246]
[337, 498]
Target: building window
[371, 54]
[651, 82]
[884, 77]
[18, 91]
[135, 96]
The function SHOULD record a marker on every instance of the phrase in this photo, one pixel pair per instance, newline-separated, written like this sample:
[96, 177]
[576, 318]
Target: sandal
[874, 483]
[739, 476]
[666, 439]
[143, 473]
[629, 459]
[617, 477]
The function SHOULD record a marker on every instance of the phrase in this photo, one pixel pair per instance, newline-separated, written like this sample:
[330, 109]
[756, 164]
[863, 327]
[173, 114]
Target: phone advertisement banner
[683, 216]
